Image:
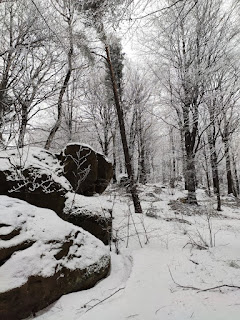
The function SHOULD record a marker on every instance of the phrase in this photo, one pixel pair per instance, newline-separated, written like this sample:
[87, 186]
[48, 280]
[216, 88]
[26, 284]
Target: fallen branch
[100, 301]
[199, 289]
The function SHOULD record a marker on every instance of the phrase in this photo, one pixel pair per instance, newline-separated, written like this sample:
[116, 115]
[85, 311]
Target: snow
[79, 204]
[33, 157]
[85, 145]
[45, 232]
[145, 282]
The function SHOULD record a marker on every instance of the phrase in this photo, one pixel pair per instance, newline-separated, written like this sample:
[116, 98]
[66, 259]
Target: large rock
[105, 173]
[80, 168]
[93, 216]
[43, 257]
[88, 172]
[36, 176]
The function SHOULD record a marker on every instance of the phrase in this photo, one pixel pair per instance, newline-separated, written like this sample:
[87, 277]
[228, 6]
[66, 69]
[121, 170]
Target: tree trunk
[60, 111]
[23, 125]
[142, 166]
[215, 175]
[184, 161]
[230, 185]
[114, 160]
[132, 185]
[190, 167]
[235, 175]
[191, 178]
[173, 173]
[63, 88]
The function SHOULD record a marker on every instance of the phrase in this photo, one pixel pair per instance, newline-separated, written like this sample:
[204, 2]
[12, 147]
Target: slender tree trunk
[215, 174]
[114, 159]
[63, 88]
[173, 175]
[60, 111]
[235, 174]
[206, 171]
[132, 185]
[23, 125]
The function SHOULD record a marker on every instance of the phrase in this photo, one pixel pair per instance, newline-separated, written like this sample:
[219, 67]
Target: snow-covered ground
[186, 251]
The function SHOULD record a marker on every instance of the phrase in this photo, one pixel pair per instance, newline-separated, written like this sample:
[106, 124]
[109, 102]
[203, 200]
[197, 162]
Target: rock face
[94, 217]
[43, 257]
[105, 173]
[88, 171]
[80, 168]
[36, 176]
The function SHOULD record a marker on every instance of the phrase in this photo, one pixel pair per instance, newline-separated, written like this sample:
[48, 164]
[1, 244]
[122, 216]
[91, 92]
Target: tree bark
[189, 140]
[206, 170]
[63, 88]
[235, 174]
[215, 175]
[60, 112]
[23, 125]
[231, 189]
[132, 185]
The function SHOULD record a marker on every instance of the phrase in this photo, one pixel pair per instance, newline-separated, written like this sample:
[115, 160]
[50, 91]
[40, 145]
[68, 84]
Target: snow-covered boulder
[37, 176]
[88, 172]
[43, 257]
[89, 213]
[34, 175]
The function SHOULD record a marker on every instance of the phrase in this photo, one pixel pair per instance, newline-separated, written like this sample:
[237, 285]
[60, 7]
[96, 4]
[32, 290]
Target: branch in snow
[199, 289]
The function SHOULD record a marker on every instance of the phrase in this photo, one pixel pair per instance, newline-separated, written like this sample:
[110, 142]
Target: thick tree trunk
[230, 185]
[142, 166]
[132, 185]
[191, 178]
[184, 160]
[189, 140]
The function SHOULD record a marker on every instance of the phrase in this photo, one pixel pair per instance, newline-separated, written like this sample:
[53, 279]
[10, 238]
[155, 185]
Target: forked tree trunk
[60, 111]
[132, 185]
[63, 88]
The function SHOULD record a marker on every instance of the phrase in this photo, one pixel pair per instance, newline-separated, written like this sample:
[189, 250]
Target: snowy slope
[145, 283]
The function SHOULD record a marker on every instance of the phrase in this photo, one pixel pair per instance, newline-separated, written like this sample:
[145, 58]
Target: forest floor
[170, 261]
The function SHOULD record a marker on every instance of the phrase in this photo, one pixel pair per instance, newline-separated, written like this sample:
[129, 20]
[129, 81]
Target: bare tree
[192, 39]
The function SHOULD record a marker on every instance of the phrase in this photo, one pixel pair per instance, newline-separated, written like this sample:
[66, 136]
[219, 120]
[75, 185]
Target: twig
[105, 299]
[199, 289]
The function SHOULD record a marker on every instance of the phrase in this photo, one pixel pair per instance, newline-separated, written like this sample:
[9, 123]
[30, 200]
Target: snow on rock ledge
[92, 214]
[43, 257]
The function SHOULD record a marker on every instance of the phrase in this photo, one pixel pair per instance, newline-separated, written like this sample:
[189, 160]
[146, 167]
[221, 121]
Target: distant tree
[192, 38]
